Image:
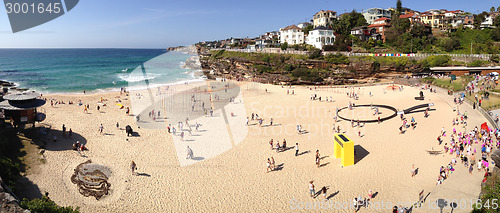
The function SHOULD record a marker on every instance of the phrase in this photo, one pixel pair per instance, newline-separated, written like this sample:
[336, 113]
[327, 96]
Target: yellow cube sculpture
[344, 149]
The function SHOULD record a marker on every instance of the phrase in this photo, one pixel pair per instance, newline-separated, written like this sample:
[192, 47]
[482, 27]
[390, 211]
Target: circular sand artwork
[92, 179]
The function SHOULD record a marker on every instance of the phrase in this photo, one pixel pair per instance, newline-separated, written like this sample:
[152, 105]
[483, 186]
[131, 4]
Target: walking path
[461, 187]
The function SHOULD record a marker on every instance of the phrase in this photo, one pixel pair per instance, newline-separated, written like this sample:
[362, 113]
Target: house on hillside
[363, 33]
[320, 36]
[380, 25]
[434, 18]
[303, 25]
[413, 17]
[292, 35]
[324, 18]
[373, 14]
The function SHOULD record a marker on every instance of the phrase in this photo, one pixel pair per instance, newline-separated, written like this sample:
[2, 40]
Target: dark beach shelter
[22, 107]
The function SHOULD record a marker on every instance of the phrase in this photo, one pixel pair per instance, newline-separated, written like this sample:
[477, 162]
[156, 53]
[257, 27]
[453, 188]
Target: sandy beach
[228, 169]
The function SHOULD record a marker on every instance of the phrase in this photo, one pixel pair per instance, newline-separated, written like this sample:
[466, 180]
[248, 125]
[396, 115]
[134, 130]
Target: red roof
[379, 25]
[291, 27]
[409, 15]
[381, 19]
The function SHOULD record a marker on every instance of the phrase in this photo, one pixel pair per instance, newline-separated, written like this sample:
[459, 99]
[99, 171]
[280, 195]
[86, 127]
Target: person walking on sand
[323, 191]
[189, 153]
[101, 128]
[317, 158]
[64, 130]
[133, 167]
[271, 142]
[70, 133]
[247, 121]
[413, 170]
[273, 164]
[268, 165]
[271, 122]
[311, 189]
[296, 149]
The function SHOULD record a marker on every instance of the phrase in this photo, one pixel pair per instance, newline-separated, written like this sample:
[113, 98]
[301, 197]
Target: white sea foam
[137, 77]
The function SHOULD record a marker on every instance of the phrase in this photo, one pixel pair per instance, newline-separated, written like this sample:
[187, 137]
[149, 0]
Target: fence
[412, 55]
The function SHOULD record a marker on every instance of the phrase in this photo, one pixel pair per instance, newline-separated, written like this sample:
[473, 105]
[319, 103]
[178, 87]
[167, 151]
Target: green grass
[456, 85]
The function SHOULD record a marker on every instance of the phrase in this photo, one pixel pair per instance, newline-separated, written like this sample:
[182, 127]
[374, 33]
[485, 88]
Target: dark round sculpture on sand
[92, 179]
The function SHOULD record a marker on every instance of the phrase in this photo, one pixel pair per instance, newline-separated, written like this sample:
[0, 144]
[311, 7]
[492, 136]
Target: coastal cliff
[297, 69]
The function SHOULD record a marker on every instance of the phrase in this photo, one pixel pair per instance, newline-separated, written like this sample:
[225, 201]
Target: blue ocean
[93, 70]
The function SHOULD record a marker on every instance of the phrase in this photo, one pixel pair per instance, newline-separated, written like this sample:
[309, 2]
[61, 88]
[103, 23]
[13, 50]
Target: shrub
[45, 205]
[284, 46]
[307, 75]
[337, 59]
[314, 54]
[218, 54]
[477, 63]
[495, 58]
[289, 67]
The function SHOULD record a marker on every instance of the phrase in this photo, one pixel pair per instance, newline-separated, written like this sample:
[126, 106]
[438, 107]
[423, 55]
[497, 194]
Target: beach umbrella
[120, 105]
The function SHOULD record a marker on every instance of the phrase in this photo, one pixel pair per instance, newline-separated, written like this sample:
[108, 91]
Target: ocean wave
[131, 78]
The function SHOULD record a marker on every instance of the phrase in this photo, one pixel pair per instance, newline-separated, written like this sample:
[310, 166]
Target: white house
[373, 14]
[303, 25]
[320, 36]
[488, 21]
[292, 35]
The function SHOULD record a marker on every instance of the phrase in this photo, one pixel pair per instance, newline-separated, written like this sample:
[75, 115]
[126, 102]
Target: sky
[168, 23]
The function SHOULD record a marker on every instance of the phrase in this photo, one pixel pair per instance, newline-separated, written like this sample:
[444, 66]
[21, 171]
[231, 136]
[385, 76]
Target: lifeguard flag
[485, 126]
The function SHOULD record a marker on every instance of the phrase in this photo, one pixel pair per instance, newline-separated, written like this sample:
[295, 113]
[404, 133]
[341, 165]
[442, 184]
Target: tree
[284, 46]
[496, 21]
[347, 22]
[492, 9]
[479, 18]
[399, 8]
[307, 29]
[498, 9]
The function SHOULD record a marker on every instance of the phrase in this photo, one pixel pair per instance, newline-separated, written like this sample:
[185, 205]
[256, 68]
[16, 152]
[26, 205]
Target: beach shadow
[303, 132]
[321, 158]
[279, 167]
[305, 152]
[435, 152]
[109, 134]
[143, 174]
[324, 164]
[202, 130]
[374, 195]
[277, 125]
[360, 153]
[198, 158]
[27, 189]
[332, 195]
[189, 140]
[135, 134]
[44, 138]
[416, 171]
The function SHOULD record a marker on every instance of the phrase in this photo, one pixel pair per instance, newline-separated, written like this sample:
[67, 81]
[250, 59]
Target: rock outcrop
[9, 203]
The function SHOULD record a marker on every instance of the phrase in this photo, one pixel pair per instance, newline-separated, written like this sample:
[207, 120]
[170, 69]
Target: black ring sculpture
[372, 121]
[406, 111]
